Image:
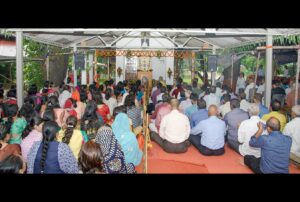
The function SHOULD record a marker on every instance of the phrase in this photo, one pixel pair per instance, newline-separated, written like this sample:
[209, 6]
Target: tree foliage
[34, 71]
[289, 40]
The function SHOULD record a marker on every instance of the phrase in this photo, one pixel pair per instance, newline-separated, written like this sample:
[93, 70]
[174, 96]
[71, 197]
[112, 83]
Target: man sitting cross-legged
[208, 136]
[275, 149]
[174, 131]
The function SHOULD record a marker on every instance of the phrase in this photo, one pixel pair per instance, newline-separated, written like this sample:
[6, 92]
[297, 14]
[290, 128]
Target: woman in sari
[102, 108]
[113, 156]
[127, 139]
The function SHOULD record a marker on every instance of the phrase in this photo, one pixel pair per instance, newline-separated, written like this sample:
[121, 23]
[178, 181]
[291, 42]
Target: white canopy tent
[182, 39]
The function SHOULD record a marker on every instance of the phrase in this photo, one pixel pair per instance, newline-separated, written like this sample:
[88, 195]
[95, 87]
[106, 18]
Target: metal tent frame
[182, 39]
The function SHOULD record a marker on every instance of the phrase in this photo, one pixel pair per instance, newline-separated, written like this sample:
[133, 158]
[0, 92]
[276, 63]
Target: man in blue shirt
[262, 108]
[194, 108]
[212, 132]
[200, 115]
[275, 149]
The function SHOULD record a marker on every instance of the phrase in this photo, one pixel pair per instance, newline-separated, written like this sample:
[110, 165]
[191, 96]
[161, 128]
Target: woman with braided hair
[35, 127]
[72, 136]
[49, 156]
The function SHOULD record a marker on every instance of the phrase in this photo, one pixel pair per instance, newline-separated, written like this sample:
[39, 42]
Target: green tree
[33, 70]
[250, 62]
[7, 72]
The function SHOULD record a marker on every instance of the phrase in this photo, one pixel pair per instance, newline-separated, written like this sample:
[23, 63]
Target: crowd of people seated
[67, 129]
[208, 117]
[93, 129]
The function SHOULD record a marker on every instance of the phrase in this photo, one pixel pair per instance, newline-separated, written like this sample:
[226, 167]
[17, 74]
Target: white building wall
[160, 66]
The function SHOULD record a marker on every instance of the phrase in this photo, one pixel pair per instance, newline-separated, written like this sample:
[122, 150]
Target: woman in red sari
[102, 108]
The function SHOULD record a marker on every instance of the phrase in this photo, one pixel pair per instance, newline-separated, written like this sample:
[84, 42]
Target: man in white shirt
[292, 129]
[174, 131]
[249, 87]
[219, 91]
[212, 98]
[225, 108]
[247, 129]
[244, 104]
[241, 82]
[261, 87]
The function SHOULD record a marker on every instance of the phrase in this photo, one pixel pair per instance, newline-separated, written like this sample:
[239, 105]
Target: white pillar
[232, 62]
[268, 81]
[213, 75]
[193, 65]
[74, 70]
[84, 72]
[297, 78]
[19, 68]
[108, 67]
[91, 66]
[47, 67]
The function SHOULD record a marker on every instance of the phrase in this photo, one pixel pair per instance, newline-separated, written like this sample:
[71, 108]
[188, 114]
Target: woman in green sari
[18, 123]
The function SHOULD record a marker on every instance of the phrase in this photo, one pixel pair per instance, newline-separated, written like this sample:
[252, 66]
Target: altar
[136, 66]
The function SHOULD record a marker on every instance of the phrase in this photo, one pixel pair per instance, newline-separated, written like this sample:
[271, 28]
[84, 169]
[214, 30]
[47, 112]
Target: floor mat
[161, 162]
[170, 166]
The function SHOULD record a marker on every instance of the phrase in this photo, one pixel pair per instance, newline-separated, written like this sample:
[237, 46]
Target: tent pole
[193, 66]
[297, 77]
[268, 82]
[47, 67]
[256, 74]
[232, 71]
[108, 58]
[74, 70]
[213, 74]
[19, 73]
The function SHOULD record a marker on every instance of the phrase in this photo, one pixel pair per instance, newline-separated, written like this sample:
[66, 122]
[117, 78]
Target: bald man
[208, 136]
[275, 149]
[174, 130]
